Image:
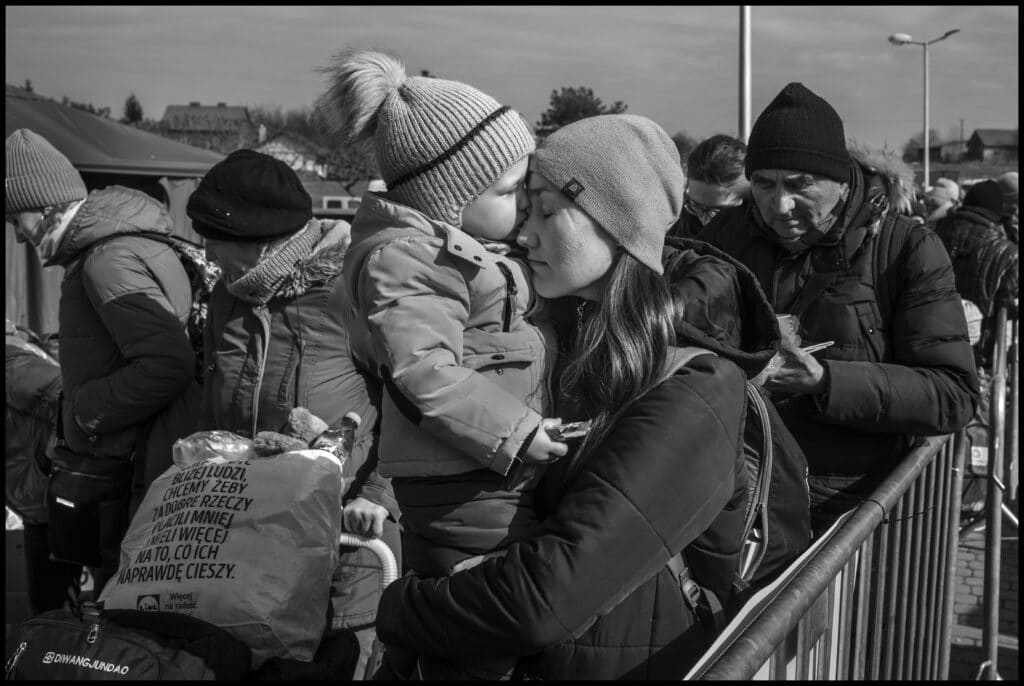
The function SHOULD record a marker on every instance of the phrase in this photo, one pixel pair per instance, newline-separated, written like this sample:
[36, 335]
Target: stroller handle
[388, 564]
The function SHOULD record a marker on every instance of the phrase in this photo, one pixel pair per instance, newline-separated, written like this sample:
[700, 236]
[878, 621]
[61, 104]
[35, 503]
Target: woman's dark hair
[717, 160]
[621, 348]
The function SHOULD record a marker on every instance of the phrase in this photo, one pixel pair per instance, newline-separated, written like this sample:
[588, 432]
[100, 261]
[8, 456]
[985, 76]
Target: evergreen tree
[573, 104]
[132, 111]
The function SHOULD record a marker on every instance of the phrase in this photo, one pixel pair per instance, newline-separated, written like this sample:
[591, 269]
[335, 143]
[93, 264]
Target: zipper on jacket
[510, 295]
[94, 633]
[13, 660]
[264, 323]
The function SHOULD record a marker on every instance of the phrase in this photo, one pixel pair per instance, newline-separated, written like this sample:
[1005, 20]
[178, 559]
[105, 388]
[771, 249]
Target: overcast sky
[675, 64]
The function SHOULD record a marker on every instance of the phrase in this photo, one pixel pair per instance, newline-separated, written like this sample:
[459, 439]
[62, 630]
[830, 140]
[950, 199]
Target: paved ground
[966, 652]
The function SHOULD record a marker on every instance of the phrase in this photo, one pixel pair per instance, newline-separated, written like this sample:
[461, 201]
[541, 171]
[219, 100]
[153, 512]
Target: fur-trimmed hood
[895, 175]
[323, 264]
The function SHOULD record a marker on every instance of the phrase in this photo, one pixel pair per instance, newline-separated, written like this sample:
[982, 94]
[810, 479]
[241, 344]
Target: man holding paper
[825, 240]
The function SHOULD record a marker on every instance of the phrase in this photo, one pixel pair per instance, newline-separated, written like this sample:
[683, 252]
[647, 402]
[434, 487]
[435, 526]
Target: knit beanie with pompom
[438, 144]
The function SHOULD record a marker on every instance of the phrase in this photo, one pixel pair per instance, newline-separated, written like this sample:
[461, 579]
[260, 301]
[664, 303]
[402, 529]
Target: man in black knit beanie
[827, 247]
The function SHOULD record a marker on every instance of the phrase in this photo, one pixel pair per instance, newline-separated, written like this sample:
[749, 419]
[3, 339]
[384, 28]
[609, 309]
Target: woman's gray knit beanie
[623, 170]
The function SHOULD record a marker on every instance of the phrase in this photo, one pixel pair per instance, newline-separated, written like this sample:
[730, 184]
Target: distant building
[297, 152]
[953, 151]
[913, 151]
[214, 127]
[332, 199]
[993, 145]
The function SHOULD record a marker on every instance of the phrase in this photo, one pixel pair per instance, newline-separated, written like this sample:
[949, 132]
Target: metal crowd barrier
[1002, 479]
[875, 599]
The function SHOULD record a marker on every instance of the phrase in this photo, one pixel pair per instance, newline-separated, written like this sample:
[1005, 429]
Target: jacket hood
[323, 264]
[892, 174]
[376, 212]
[722, 307]
[111, 211]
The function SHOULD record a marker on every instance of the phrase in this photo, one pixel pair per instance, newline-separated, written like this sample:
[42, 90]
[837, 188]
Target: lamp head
[900, 38]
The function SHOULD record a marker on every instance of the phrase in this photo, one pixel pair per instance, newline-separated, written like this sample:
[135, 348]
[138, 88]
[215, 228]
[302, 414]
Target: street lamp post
[905, 39]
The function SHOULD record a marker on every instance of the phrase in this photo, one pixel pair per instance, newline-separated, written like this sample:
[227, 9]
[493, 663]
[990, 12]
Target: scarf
[52, 229]
[259, 285]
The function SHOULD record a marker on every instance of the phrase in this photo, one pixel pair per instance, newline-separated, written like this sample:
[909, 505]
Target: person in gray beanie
[437, 311]
[589, 595]
[829, 248]
[127, 365]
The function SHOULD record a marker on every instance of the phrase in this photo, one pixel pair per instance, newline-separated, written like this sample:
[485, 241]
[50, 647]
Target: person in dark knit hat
[985, 261]
[827, 244]
[660, 467]
[276, 339]
[127, 366]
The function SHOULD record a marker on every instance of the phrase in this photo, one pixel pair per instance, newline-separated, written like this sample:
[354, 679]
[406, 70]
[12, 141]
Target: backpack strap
[755, 525]
[704, 604]
[891, 239]
[678, 357]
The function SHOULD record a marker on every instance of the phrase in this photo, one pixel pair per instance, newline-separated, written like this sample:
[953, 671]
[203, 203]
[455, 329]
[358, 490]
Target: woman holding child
[654, 360]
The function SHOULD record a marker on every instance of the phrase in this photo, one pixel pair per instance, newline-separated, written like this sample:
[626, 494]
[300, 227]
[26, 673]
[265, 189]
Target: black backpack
[776, 526]
[128, 645]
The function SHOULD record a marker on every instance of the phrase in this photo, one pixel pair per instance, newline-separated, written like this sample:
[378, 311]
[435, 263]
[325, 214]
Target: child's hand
[543, 448]
[364, 518]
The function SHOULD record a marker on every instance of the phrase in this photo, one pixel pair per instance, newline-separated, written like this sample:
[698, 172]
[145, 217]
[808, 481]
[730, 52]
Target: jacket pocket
[515, 364]
[119, 443]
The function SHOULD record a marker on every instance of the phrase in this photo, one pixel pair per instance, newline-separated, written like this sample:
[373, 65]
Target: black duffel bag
[128, 645]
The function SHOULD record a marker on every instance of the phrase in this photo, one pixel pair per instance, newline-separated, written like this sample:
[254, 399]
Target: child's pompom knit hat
[438, 143]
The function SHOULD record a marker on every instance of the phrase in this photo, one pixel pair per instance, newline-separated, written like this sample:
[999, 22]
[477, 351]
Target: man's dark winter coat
[893, 372]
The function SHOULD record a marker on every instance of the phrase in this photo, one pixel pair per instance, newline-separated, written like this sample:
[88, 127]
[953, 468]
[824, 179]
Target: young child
[439, 308]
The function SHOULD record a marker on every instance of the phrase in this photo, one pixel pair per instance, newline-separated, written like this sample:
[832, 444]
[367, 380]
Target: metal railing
[1002, 476]
[874, 598]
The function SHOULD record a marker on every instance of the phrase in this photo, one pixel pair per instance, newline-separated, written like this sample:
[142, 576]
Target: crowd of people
[499, 289]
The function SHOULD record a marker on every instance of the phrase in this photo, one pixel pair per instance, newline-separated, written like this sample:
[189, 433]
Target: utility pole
[744, 124]
[960, 148]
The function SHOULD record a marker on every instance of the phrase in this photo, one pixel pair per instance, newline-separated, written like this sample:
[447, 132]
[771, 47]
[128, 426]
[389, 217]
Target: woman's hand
[364, 518]
[543, 448]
